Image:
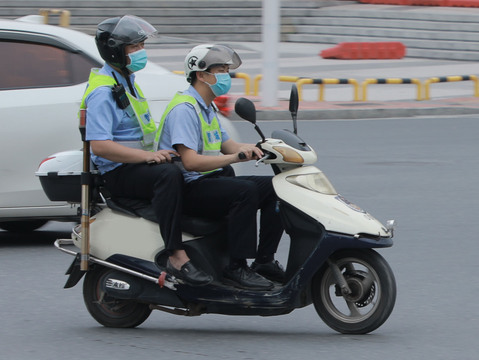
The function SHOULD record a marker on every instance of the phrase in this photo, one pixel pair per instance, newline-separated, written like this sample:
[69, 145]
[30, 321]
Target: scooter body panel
[135, 243]
[219, 298]
[330, 209]
[311, 246]
[113, 233]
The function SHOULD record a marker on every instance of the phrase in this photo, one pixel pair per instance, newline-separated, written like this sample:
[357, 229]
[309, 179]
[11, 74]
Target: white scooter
[331, 260]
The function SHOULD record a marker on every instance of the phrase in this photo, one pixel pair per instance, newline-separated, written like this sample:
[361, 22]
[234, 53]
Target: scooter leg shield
[209, 253]
[305, 233]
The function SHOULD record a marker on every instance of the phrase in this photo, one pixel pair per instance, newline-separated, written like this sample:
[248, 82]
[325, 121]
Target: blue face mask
[138, 60]
[222, 85]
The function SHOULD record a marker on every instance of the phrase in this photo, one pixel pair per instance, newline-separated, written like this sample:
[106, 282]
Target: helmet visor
[222, 55]
[132, 30]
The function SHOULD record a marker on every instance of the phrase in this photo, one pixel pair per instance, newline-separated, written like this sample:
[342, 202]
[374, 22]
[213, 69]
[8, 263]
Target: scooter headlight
[289, 155]
[317, 182]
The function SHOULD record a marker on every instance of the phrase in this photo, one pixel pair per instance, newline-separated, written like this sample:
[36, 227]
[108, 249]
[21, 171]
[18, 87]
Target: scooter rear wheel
[372, 297]
[108, 311]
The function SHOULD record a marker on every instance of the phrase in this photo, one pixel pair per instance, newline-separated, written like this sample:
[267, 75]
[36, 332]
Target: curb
[361, 113]
[356, 110]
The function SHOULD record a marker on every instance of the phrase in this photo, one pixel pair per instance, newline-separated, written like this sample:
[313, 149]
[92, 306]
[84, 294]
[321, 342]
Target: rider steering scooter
[331, 261]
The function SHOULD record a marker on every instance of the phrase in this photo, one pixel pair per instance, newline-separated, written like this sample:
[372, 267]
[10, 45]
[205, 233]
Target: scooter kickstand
[192, 311]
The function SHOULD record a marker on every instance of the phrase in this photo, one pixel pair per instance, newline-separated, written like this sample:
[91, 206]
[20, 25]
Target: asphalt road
[420, 171]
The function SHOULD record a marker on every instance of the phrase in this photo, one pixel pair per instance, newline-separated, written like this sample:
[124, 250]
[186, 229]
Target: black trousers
[162, 184]
[239, 198]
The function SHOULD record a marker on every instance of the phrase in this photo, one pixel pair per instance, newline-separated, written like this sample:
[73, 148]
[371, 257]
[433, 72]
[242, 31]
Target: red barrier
[387, 2]
[462, 3]
[365, 50]
[429, 2]
[222, 102]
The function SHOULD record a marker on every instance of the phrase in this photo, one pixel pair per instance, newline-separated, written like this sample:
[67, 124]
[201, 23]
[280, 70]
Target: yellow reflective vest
[211, 133]
[137, 109]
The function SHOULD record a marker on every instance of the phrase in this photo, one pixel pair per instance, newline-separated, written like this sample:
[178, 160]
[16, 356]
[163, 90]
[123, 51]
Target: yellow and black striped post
[285, 78]
[322, 82]
[64, 16]
[453, 78]
[367, 82]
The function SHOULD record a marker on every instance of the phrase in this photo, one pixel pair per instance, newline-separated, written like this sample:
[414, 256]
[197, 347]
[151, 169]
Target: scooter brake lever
[267, 156]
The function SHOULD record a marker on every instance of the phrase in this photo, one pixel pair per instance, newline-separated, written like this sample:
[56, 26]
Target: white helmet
[202, 57]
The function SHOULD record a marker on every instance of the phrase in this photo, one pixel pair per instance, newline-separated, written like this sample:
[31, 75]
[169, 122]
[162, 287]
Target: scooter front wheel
[109, 311]
[372, 292]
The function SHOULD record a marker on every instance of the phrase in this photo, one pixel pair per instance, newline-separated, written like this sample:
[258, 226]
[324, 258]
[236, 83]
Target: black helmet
[114, 34]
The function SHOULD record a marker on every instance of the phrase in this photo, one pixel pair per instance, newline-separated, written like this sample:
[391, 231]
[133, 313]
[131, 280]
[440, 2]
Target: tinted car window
[32, 65]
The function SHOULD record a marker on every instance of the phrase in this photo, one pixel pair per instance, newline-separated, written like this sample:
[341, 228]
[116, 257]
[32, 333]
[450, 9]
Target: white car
[44, 73]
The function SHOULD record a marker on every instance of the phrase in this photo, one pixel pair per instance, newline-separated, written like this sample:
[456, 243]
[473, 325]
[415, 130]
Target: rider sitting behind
[121, 134]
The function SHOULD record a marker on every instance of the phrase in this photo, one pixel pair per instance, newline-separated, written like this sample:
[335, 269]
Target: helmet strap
[126, 75]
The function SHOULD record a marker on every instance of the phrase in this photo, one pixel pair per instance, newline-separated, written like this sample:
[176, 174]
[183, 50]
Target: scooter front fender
[329, 244]
[343, 241]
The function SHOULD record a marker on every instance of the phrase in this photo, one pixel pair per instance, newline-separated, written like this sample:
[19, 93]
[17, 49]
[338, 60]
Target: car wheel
[22, 226]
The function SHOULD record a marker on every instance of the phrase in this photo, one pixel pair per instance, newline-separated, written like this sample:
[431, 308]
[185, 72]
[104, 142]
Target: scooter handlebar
[242, 155]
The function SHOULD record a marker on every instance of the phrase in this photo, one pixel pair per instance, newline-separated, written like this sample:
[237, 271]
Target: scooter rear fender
[74, 272]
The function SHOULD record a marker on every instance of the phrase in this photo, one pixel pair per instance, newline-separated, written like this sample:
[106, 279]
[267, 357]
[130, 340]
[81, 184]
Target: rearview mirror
[293, 106]
[246, 110]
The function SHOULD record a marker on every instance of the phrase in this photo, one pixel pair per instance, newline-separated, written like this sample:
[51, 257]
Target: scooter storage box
[60, 176]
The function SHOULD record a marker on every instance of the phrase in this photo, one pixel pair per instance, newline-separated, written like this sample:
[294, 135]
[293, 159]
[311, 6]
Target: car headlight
[317, 182]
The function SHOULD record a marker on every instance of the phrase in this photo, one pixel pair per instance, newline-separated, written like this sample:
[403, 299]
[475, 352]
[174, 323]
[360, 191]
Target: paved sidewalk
[309, 110]
[382, 100]
[392, 100]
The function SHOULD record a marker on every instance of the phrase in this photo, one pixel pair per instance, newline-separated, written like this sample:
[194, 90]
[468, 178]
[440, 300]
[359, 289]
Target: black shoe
[189, 274]
[245, 278]
[271, 270]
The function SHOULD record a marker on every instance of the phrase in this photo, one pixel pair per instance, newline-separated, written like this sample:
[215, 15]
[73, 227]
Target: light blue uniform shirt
[106, 121]
[183, 126]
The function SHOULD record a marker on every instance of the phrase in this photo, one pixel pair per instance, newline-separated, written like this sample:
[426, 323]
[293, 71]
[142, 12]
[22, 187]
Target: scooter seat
[131, 207]
[195, 226]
